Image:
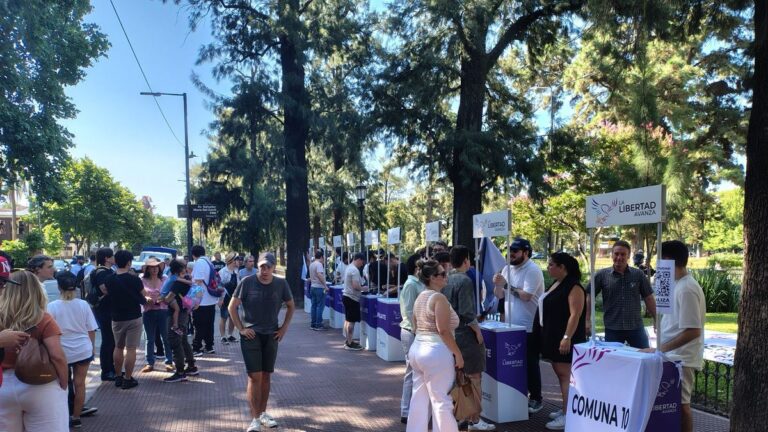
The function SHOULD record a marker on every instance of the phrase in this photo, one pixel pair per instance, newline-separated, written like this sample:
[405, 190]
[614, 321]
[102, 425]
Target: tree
[750, 393]
[45, 46]
[164, 231]
[97, 209]
[724, 231]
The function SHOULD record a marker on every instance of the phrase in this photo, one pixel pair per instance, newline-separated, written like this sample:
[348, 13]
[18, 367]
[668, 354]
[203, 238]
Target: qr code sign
[663, 278]
[665, 286]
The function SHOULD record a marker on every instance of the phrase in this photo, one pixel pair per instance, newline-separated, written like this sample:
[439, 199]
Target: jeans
[203, 318]
[318, 304]
[636, 338]
[106, 351]
[179, 345]
[155, 320]
[406, 338]
[532, 364]
[433, 376]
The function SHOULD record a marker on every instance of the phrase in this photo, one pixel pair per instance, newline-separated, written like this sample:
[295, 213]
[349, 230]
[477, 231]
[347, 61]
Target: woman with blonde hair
[434, 353]
[78, 327]
[25, 407]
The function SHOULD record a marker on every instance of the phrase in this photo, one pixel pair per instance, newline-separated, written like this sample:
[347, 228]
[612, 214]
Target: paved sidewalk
[318, 386]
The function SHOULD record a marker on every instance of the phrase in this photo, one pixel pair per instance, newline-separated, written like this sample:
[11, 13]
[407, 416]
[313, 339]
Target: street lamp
[186, 163]
[360, 191]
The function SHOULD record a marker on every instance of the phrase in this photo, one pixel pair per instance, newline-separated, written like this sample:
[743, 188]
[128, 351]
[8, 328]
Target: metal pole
[657, 323]
[478, 307]
[186, 165]
[361, 205]
[592, 282]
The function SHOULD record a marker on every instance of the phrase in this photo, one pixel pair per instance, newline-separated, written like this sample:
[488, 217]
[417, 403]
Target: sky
[122, 131]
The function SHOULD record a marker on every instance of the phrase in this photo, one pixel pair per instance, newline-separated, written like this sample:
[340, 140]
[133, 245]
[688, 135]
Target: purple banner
[665, 415]
[338, 304]
[369, 306]
[388, 316]
[505, 358]
[329, 298]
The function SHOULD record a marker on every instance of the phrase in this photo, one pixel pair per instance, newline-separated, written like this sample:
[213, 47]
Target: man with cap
[262, 297]
[525, 281]
[353, 287]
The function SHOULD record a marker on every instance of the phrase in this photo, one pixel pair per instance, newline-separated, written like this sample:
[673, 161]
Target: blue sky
[123, 131]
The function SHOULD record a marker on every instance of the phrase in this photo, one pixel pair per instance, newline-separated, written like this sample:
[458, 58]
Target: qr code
[663, 278]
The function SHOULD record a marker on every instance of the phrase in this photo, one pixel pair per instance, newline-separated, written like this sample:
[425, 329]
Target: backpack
[214, 285]
[191, 301]
[92, 292]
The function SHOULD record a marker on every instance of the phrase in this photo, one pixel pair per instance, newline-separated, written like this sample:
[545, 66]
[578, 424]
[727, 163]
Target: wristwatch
[565, 337]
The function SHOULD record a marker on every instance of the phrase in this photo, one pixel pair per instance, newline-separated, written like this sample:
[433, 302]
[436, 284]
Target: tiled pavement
[318, 386]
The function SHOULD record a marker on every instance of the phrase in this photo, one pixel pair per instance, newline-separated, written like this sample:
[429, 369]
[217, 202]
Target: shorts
[224, 311]
[259, 353]
[473, 352]
[81, 362]
[687, 388]
[127, 333]
[351, 310]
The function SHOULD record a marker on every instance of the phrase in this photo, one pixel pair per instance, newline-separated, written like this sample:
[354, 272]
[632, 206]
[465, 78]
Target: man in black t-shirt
[105, 259]
[217, 263]
[177, 337]
[126, 294]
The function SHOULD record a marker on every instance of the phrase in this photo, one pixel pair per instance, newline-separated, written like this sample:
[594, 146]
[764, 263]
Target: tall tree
[45, 46]
[750, 392]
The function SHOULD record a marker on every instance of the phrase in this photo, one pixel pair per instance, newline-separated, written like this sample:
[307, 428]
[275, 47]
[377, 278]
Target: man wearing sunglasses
[525, 281]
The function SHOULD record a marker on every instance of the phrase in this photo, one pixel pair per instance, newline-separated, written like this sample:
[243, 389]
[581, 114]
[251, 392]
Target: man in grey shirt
[262, 298]
[623, 287]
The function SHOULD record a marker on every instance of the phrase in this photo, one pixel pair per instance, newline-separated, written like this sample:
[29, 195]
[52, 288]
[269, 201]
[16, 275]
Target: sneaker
[129, 383]
[192, 371]
[535, 406]
[210, 351]
[109, 376]
[255, 426]
[481, 426]
[177, 377]
[197, 353]
[170, 367]
[352, 347]
[224, 341]
[88, 411]
[404, 420]
[314, 328]
[119, 381]
[148, 368]
[556, 414]
[267, 420]
[232, 339]
[557, 424]
[75, 423]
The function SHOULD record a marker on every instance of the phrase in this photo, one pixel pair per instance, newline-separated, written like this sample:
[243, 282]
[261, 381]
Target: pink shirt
[153, 291]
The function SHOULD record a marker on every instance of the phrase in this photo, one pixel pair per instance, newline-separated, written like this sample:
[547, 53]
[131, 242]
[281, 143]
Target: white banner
[627, 207]
[351, 239]
[496, 224]
[321, 240]
[373, 240]
[611, 389]
[393, 236]
[665, 286]
[338, 241]
[433, 231]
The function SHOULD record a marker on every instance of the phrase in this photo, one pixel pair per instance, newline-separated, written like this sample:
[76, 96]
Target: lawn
[722, 322]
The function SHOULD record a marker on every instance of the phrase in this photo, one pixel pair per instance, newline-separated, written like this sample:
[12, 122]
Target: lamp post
[360, 191]
[187, 202]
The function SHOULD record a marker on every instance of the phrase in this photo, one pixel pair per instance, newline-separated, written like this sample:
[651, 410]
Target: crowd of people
[166, 301]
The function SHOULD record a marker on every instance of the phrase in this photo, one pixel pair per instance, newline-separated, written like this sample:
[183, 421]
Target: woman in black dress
[560, 322]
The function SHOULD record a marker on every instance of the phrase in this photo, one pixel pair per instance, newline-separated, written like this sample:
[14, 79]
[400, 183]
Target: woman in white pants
[24, 407]
[434, 354]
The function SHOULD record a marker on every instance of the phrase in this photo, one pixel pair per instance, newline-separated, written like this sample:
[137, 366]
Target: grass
[722, 322]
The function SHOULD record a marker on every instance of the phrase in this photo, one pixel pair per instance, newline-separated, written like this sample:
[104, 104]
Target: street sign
[393, 236]
[433, 231]
[351, 239]
[338, 241]
[199, 211]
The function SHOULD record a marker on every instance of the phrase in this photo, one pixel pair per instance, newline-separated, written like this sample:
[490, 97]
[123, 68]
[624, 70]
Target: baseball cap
[520, 243]
[5, 271]
[267, 258]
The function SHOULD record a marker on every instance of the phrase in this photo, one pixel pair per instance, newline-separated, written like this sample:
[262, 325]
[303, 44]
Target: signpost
[199, 211]
[432, 233]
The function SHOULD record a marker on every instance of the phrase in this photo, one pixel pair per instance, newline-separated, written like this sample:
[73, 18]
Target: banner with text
[496, 224]
[433, 231]
[665, 286]
[627, 207]
[611, 389]
[393, 236]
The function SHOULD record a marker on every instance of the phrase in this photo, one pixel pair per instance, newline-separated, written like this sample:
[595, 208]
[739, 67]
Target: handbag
[33, 364]
[466, 397]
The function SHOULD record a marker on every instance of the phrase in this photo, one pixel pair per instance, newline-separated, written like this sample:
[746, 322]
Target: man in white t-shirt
[526, 284]
[353, 287]
[317, 290]
[204, 316]
[682, 332]
[341, 266]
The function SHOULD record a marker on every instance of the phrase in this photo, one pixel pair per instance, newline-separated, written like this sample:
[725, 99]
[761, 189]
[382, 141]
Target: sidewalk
[317, 386]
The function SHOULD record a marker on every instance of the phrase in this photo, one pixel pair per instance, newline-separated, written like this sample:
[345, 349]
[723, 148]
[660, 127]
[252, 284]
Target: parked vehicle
[158, 252]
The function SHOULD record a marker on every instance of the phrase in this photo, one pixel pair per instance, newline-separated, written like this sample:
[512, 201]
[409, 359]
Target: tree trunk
[12, 197]
[338, 198]
[750, 391]
[296, 109]
[467, 193]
